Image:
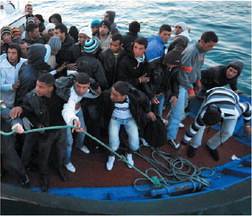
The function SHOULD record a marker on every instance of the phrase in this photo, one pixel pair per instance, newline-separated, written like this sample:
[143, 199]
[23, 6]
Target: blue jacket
[155, 49]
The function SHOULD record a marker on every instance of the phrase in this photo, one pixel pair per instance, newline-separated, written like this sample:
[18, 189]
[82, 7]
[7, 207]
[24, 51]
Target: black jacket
[87, 63]
[138, 103]
[216, 76]
[110, 64]
[64, 54]
[43, 111]
[128, 39]
[129, 70]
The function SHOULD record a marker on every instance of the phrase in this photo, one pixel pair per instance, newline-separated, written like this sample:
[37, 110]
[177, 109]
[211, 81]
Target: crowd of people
[52, 76]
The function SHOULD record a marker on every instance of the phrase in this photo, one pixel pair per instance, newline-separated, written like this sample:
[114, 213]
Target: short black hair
[47, 78]
[142, 41]
[116, 37]
[31, 27]
[16, 47]
[165, 27]
[56, 16]
[122, 87]
[134, 27]
[209, 36]
[82, 78]
[212, 115]
[61, 27]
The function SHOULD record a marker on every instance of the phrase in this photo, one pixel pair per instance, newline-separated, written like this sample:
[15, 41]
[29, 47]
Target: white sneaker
[181, 125]
[70, 167]
[130, 160]
[165, 121]
[144, 142]
[110, 163]
[85, 149]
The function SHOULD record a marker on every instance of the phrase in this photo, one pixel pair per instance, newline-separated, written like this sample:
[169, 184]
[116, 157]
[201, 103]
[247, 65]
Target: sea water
[231, 20]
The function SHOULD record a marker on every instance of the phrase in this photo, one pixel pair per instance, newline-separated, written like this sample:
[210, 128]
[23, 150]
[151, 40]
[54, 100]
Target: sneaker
[25, 181]
[144, 142]
[191, 152]
[181, 125]
[165, 121]
[70, 167]
[130, 160]
[214, 153]
[110, 163]
[85, 149]
[173, 143]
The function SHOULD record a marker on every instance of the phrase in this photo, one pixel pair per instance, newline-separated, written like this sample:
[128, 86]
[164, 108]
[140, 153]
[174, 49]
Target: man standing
[189, 74]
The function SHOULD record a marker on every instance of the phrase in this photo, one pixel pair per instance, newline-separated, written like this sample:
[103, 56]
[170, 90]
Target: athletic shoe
[110, 163]
[70, 167]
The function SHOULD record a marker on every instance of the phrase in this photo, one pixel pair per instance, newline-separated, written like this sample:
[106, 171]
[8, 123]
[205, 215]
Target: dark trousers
[44, 144]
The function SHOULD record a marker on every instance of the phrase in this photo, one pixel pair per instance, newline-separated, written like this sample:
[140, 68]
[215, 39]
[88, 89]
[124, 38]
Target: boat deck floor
[91, 170]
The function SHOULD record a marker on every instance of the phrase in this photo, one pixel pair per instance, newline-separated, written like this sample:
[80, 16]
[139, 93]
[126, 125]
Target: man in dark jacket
[111, 57]
[128, 39]
[30, 71]
[89, 64]
[64, 55]
[43, 107]
[122, 107]
[133, 68]
[221, 75]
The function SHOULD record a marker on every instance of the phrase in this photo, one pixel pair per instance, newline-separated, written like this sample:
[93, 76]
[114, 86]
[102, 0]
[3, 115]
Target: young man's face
[12, 55]
[178, 30]
[115, 46]
[82, 38]
[115, 96]
[81, 89]
[42, 89]
[138, 50]
[206, 46]
[231, 73]
[7, 38]
[165, 35]
[103, 30]
[28, 9]
[35, 34]
[60, 34]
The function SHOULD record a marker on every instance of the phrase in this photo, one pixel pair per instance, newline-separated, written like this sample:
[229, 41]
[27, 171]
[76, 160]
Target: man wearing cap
[221, 105]
[104, 35]
[5, 39]
[95, 24]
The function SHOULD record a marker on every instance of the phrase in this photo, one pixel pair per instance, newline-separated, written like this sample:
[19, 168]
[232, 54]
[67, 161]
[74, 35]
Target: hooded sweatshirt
[30, 71]
[216, 76]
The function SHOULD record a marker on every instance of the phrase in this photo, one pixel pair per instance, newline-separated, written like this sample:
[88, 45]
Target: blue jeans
[161, 99]
[177, 114]
[131, 130]
[79, 138]
[221, 136]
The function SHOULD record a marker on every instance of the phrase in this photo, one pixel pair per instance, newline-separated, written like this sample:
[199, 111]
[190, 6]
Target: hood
[36, 53]
[238, 65]
[186, 34]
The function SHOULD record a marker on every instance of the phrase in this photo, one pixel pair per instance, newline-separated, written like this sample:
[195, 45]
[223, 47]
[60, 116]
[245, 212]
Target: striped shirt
[228, 103]
[121, 110]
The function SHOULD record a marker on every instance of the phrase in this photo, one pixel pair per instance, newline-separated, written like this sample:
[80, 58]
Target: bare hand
[154, 100]
[18, 128]
[151, 116]
[72, 66]
[143, 78]
[16, 85]
[247, 130]
[77, 126]
[173, 101]
[16, 112]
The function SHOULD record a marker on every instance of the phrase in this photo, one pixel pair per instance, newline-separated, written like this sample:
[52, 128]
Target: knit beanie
[15, 32]
[91, 45]
[5, 30]
[95, 23]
